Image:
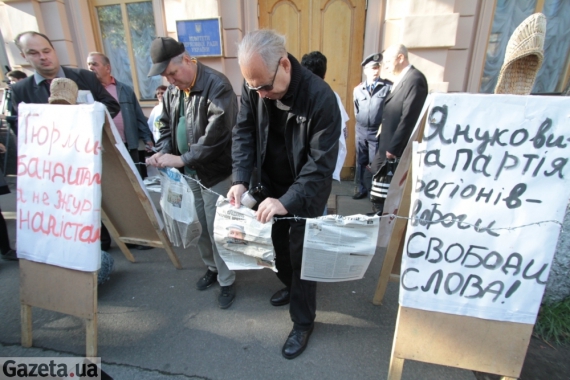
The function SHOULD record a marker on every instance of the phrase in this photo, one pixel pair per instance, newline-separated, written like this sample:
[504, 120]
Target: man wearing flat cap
[368, 106]
[198, 114]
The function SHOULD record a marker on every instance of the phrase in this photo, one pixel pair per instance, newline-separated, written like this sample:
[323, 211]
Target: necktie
[47, 84]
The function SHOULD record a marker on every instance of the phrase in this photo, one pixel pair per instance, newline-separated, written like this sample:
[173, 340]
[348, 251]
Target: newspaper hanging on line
[242, 241]
[339, 248]
[177, 204]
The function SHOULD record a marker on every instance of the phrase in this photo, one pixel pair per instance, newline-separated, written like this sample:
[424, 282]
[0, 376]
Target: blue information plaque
[202, 38]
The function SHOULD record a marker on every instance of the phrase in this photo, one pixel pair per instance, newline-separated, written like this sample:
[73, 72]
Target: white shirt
[399, 77]
[154, 115]
[342, 139]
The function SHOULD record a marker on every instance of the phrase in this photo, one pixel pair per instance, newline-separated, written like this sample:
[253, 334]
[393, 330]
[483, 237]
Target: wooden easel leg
[115, 234]
[396, 367]
[26, 315]
[509, 378]
[390, 266]
[91, 337]
[168, 248]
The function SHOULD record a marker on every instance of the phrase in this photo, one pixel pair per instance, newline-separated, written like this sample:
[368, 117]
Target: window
[126, 30]
[554, 73]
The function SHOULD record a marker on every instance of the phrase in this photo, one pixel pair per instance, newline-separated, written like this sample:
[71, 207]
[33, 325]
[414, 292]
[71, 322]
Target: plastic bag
[177, 202]
[381, 181]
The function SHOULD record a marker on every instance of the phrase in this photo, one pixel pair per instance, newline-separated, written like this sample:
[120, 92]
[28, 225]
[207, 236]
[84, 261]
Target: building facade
[458, 44]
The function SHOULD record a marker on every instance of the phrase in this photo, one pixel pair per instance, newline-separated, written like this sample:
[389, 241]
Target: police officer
[368, 105]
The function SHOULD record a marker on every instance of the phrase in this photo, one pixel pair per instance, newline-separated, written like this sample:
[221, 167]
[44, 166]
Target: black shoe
[227, 296]
[281, 297]
[296, 343]
[359, 195]
[10, 255]
[207, 281]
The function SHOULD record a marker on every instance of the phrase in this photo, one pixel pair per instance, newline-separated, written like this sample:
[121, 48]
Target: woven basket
[523, 57]
[63, 91]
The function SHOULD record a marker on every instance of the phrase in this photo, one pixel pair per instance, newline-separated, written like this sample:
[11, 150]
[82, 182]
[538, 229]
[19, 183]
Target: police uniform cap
[376, 58]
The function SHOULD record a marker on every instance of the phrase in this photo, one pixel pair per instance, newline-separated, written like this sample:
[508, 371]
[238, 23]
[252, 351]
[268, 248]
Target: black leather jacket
[211, 111]
[311, 133]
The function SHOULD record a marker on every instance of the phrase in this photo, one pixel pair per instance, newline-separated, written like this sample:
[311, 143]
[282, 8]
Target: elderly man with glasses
[289, 117]
[199, 112]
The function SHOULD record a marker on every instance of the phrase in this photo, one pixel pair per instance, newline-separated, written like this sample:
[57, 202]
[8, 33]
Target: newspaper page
[242, 241]
[339, 248]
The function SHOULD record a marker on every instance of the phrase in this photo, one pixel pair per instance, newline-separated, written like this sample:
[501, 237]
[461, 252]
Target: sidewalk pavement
[154, 324]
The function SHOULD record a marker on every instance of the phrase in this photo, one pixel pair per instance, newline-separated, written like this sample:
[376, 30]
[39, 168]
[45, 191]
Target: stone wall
[558, 286]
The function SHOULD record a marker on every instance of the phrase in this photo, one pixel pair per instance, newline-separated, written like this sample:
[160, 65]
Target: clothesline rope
[394, 216]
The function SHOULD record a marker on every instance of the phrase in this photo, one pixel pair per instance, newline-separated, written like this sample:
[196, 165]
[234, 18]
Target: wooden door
[336, 29]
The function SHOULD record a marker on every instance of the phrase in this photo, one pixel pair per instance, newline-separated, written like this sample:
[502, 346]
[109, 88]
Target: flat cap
[376, 58]
[162, 50]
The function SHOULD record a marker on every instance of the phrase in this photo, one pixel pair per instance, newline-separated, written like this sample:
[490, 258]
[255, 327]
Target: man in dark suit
[37, 49]
[402, 107]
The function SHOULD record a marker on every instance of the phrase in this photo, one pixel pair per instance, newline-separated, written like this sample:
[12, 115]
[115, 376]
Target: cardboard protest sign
[487, 163]
[59, 184]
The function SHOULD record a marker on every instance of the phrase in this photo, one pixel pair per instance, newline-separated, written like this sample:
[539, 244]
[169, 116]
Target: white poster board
[486, 162]
[59, 184]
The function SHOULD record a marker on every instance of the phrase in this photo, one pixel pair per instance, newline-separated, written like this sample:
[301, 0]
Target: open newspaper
[339, 248]
[242, 241]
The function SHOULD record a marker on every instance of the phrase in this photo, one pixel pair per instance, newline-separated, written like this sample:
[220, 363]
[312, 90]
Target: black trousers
[138, 157]
[288, 236]
[4, 238]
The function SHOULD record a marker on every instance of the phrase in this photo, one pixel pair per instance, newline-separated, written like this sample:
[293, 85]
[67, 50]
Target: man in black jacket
[293, 116]
[198, 113]
[38, 50]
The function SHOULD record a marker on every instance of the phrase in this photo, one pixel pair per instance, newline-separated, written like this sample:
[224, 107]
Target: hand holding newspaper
[242, 241]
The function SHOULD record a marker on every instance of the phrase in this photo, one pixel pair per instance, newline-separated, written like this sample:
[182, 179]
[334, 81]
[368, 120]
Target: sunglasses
[267, 87]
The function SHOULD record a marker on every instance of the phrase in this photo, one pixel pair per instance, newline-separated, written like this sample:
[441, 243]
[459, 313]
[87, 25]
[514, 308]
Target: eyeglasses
[267, 87]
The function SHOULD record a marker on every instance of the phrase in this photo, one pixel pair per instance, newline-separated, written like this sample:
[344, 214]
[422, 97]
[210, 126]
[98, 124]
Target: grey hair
[267, 43]
[178, 59]
[398, 49]
[103, 57]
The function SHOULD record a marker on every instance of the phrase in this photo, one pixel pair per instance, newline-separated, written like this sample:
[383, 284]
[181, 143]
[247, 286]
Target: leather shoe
[227, 296]
[359, 195]
[296, 343]
[281, 297]
[207, 280]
